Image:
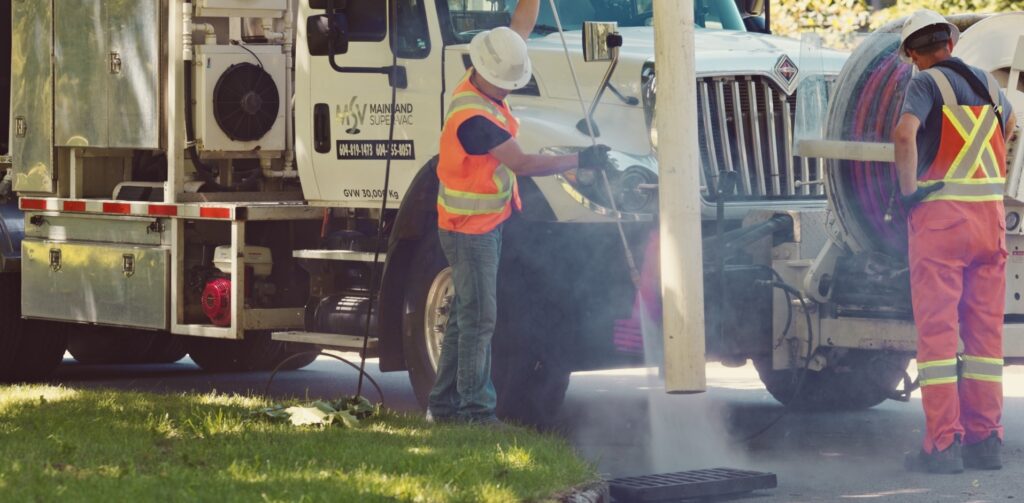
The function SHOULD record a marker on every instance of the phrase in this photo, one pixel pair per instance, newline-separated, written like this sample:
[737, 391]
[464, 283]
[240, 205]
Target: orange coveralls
[957, 263]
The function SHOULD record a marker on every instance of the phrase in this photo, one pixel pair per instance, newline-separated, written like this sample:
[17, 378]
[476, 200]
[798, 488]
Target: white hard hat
[500, 57]
[920, 20]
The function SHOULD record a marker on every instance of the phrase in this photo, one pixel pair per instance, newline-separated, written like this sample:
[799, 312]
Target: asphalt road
[626, 424]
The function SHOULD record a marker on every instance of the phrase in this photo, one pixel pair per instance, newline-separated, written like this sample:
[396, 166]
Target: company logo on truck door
[353, 115]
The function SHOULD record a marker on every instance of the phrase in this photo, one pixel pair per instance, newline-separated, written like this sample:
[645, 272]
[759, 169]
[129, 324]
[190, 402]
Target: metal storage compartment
[32, 96]
[95, 283]
[107, 56]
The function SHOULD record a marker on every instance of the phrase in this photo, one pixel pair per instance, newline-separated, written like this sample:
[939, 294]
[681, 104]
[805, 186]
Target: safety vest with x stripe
[972, 153]
[476, 192]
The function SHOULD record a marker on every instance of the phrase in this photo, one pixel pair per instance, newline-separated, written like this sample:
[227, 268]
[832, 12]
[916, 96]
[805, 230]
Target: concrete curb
[594, 492]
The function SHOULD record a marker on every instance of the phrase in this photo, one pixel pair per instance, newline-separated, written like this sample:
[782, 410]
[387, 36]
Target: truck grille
[746, 125]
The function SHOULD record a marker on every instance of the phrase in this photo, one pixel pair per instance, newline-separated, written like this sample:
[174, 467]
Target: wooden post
[682, 275]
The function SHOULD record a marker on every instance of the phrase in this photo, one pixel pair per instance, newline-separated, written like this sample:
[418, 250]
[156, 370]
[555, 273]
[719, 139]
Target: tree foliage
[836, 21]
[946, 7]
[841, 22]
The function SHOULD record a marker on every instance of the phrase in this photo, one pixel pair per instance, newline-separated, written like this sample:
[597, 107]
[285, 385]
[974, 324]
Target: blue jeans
[463, 388]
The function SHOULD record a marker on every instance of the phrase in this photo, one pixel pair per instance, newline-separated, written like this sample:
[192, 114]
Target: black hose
[375, 268]
[362, 372]
[801, 377]
[206, 173]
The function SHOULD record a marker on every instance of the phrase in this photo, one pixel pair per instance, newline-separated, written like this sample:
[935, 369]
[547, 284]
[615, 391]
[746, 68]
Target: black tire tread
[859, 380]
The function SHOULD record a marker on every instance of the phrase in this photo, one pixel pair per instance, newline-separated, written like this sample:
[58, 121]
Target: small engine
[216, 297]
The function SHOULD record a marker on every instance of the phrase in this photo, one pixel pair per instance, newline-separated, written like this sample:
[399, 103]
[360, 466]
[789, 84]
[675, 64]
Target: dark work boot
[948, 461]
[984, 455]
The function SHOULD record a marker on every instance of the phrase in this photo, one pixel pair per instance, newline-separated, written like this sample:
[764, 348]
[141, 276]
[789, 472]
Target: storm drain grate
[692, 484]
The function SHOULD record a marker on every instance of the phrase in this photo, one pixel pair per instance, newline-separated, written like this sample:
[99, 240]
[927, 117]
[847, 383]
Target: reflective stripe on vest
[469, 100]
[976, 172]
[469, 203]
[937, 372]
[982, 368]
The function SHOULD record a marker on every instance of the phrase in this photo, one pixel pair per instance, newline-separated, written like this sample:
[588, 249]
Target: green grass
[65, 444]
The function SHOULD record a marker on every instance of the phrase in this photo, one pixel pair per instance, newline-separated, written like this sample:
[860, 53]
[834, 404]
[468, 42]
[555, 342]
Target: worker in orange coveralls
[951, 160]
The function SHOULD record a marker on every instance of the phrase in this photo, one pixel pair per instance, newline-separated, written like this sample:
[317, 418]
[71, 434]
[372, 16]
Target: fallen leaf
[302, 416]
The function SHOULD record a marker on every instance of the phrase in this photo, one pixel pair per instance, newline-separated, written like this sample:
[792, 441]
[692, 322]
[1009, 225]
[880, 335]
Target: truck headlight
[633, 183]
[649, 91]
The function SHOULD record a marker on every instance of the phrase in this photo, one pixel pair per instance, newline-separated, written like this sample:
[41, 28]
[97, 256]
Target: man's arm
[905, 140]
[523, 164]
[1011, 124]
[525, 17]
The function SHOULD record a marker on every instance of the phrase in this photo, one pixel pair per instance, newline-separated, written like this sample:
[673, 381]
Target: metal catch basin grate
[677, 486]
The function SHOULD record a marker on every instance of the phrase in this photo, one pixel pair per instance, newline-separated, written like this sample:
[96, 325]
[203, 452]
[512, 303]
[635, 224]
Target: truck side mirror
[599, 38]
[327, 34]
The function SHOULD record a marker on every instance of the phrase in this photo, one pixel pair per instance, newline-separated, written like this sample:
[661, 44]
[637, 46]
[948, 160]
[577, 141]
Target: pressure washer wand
[634, 273]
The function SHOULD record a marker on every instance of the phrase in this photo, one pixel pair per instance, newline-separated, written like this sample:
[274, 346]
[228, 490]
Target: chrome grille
[746, 125]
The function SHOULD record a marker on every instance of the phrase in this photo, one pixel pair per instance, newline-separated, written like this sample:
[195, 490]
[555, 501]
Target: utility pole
[682, 275]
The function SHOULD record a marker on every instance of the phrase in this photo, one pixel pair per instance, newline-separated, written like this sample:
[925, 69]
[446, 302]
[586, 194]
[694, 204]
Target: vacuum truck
[245, 181]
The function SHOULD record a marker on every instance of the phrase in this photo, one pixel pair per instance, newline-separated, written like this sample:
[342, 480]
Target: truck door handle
[322, 128]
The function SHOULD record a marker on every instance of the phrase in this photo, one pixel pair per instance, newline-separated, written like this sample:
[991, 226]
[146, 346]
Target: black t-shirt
[478, 135]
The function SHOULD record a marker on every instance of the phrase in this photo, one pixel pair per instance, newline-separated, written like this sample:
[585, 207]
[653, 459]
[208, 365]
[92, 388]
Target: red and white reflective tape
[130, 208]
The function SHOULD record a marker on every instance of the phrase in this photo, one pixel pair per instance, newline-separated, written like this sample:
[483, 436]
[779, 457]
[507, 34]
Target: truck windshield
[469, 17]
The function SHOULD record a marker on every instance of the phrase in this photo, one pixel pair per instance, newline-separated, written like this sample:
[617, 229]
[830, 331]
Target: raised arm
[525, 17]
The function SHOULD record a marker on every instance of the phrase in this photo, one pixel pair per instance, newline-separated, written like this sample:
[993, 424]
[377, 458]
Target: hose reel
[865, 108]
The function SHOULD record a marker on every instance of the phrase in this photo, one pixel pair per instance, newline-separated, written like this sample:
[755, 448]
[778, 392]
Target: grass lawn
[61, 444]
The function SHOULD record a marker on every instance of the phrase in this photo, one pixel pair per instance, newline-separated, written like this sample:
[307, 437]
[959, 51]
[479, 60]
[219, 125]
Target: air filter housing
[240, 98]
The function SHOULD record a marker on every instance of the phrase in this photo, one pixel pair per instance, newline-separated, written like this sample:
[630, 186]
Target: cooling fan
[246, 102]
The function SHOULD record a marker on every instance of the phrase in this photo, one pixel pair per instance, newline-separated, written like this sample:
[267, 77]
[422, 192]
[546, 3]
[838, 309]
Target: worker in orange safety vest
[951, 161]
[477, 167]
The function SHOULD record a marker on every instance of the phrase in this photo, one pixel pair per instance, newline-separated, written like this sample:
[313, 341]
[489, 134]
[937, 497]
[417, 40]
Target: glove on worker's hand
[920, 194]
[595, 157]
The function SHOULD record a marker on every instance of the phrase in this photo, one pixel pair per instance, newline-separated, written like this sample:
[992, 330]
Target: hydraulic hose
[206, 173]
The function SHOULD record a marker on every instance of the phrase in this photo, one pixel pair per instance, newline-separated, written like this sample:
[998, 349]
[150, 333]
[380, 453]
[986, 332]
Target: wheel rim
[439, 303]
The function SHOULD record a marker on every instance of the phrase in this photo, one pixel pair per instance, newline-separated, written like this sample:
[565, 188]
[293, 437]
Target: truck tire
[428, 285]
[858, 380]
[531, 365]
[530, 383]
[96, 345]
[255, 352]
[309, 355]
[29, 349]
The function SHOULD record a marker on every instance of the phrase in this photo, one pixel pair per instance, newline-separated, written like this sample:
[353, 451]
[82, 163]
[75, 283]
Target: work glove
[919, 195]
[595, 157]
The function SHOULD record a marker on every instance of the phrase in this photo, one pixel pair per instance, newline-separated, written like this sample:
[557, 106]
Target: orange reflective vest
[477, 192]
[972, 151]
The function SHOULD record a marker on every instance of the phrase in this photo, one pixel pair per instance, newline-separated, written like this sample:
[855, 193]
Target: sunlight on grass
[15, 395]
[490, 491]
[514, 458]
[95, 443]
[233, 400]
[420, 451]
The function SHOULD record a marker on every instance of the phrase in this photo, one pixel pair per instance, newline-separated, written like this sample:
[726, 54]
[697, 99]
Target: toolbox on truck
[100, 283]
